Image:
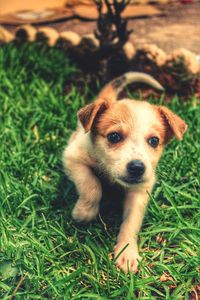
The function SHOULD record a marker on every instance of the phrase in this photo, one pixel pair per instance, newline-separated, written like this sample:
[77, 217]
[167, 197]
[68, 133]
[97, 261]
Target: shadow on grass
[110, 212]
[66, 193]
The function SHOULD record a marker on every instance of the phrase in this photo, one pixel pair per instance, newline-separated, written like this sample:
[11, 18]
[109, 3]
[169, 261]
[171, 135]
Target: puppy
[123, 140]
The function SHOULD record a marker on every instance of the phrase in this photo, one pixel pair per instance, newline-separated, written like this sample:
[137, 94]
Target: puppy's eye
[114, 137]
[153, 141]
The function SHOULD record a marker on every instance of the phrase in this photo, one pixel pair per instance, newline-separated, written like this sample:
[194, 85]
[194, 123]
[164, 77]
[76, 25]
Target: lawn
[41, 248]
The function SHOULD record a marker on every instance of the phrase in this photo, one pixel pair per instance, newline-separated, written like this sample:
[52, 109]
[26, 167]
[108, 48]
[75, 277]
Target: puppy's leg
[134, 209]
[89, 190]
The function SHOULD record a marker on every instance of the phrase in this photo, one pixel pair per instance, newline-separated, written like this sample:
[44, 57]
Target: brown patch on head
[117, 118]
[174, 125]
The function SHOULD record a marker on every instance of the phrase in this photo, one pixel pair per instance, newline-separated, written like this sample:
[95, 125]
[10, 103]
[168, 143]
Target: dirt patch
[178, 27]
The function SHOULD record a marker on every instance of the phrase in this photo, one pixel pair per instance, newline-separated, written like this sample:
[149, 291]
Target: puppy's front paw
[83, 212]
[128, 259]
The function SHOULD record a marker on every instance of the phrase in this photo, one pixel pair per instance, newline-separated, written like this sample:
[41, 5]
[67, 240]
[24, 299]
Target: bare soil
[178, 27]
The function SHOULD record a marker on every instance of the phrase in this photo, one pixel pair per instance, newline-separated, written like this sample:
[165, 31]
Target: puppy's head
[128, 137]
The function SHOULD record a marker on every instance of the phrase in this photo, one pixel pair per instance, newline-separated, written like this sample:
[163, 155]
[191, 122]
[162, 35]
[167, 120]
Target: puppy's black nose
[135, 168]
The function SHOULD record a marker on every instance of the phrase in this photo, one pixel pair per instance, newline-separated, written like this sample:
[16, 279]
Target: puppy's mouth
[131, 180]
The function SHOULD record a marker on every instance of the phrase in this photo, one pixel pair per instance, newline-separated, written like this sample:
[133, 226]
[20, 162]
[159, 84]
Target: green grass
[39, 240]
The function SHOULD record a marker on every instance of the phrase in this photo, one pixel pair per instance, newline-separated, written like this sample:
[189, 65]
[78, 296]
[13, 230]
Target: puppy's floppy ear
[88, 113]
[175, 126]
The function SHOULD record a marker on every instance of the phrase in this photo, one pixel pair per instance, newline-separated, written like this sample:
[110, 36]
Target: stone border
[176, 70]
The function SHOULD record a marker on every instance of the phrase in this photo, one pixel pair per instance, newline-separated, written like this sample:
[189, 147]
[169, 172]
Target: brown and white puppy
[123, 140]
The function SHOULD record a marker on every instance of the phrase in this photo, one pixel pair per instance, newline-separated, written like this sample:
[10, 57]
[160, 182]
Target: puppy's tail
[112, 89]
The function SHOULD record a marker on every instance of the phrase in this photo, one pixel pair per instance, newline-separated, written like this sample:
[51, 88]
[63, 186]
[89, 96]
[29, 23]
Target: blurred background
[168, 23]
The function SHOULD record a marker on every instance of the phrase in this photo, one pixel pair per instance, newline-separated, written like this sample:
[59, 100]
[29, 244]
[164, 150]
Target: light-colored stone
[51, 34]
[92, 38]
[71, 36]
[5, 35]
[129, 50]
[188, 57]
[30, 30]
[154, 53]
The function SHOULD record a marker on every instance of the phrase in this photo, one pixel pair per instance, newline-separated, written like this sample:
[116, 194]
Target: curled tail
[112, 89]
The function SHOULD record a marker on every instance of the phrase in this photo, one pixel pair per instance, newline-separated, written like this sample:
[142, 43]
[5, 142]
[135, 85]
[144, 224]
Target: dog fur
[89, 149]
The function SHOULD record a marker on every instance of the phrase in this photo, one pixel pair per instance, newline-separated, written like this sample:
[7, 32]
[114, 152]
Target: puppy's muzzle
[135, 170]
